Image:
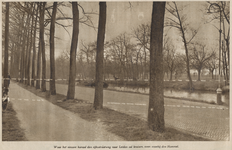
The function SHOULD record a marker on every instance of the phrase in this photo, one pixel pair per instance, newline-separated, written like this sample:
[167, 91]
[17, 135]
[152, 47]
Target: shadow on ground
[126, 126]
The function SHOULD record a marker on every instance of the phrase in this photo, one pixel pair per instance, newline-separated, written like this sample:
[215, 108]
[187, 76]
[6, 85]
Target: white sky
[121, 18]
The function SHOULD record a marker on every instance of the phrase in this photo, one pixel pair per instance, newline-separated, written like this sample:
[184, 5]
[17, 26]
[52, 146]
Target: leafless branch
[194, 34]
[64, 28]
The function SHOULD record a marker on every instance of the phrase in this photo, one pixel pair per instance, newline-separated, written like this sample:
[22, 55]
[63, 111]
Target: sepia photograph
[144, 75]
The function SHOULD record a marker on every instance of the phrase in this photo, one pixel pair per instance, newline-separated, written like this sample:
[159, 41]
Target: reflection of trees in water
[196, 95]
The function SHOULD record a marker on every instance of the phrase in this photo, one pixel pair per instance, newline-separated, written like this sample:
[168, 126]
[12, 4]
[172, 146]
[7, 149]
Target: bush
[141, 84]
[92, 84]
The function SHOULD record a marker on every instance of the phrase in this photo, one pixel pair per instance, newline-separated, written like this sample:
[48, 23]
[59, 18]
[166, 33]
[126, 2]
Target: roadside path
[201, 119]
[43, 121]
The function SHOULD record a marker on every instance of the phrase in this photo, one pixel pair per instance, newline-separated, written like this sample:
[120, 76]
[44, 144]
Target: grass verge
[126, 126]
[210, 86]
[11, 130]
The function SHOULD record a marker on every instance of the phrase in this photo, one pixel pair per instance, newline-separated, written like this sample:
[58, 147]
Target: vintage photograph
[116, 71]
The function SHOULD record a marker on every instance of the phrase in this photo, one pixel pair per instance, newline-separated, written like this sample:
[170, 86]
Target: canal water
[210, 97]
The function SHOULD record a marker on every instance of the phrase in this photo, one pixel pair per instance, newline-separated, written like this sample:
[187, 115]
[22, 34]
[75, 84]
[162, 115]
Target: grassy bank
[11, 130]
[204, 85]
[126, 126]
[177, 85]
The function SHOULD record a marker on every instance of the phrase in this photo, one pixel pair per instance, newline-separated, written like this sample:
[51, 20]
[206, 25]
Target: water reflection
[196, 95]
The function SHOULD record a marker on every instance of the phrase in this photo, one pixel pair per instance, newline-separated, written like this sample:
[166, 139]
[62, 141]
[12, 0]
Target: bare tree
[199, 57]
[23, 52]
[18, 39]
[156, 95]
[142, 35]
[62, 66]
[34, 49]
[15, 33]
[29, 10]
[226, 46]
[180, 65]
[38, 73]
[98, 98]
[52, 50]
[31, 41]
[212, 65]
[225, 67]
[6, 84]
[221, 12]
[42, 45]
[120, 47]
[72, 69]
[179, 21]
[170, 59]
[88, 53]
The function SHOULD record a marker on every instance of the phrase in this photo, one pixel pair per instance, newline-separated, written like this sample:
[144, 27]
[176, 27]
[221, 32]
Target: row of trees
[221, 13]
[121, 57]
[24, 18]
[127, 60]
[23, 24]
[130, 59]
[128, 53]
[28, 26]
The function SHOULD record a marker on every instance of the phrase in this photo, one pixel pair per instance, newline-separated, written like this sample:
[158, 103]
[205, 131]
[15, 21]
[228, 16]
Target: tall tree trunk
[225, 63]
[26, 54]
[228, 57]
[225, 47]
[20, 37]
[6, 46]
[132, 68]
[23, 54]
[145, 53]
[34, 51]
[171, 72]
[188, 69]
[137, 70]
[16, 64]
[212, 73]
[186, 50]
[28, 40]
[145, 64]
[72, 69]
[29, 49]
[11, 61]
[98, 98]
[167, 74]
[41, 19]
[156, 96]
[38, 67]
[199, 75]
[52, 50]
[22, 66]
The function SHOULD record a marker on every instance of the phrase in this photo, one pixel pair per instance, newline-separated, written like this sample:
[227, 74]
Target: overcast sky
[125, 16]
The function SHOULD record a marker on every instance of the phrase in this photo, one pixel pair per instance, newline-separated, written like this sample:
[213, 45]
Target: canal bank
[198, 96]
[204, 91]
[201, 119]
